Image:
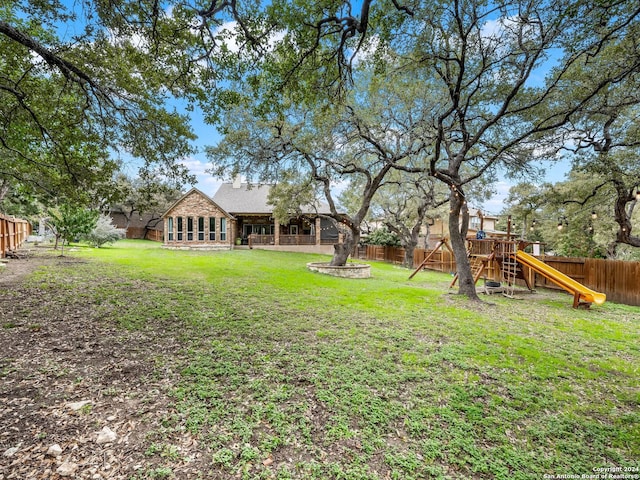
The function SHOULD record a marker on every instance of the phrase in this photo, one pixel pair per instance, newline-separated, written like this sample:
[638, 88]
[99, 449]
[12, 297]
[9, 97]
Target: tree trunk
[4, 189]
[457, 234]
[427, 235]
[408, 255]
[341, 251]
[623, 214]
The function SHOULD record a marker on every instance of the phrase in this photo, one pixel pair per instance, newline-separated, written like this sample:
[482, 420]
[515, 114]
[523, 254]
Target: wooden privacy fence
[442, 260]
[145, 233]
[13, 233]
[155, 235]
[618, 279]
[384, 254]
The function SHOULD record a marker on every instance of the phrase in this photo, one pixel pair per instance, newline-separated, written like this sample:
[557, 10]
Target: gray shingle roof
[243, 199]
[250, 199]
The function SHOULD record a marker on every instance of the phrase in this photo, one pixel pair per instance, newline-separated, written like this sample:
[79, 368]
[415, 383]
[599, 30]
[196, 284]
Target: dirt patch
[68, 378]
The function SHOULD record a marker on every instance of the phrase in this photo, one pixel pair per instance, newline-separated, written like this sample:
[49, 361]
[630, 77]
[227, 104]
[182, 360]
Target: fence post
[3, 230]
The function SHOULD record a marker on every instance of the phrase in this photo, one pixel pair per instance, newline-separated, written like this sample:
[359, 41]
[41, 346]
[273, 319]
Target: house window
[259, 229]
[212, 229]
[293, 229]
[170, 228]
[201, 229]
[180, 229]
[189, 229]
[223, 229]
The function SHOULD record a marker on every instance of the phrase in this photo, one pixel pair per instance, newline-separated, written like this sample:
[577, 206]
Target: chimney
[237, 182]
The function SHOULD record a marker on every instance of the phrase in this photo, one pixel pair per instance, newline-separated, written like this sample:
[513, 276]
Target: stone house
[239, 216]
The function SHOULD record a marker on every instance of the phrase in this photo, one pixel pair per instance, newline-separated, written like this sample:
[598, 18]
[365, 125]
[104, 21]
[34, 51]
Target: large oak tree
[358, 139]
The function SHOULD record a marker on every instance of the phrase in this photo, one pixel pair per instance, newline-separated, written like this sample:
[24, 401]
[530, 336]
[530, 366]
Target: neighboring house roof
[147, 220]
[473, 212]
[252, 198]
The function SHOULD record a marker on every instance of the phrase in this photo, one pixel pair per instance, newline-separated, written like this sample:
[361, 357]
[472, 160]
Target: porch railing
[297, 239]
[255, 239]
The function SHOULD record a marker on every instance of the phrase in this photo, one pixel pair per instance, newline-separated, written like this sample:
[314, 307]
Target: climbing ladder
[510, 269]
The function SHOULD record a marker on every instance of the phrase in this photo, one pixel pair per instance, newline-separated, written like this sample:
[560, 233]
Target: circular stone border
[350, 270]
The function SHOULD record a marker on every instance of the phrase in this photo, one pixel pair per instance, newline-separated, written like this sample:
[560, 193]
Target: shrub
[383, 237]
[104, 232]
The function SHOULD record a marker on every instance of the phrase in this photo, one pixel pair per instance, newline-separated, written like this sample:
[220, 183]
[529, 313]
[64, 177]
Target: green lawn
[292, 374]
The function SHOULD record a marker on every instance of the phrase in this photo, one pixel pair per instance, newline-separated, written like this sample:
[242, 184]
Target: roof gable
[195, 191]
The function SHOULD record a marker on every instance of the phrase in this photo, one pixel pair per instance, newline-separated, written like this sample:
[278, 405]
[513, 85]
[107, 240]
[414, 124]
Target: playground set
[500, 263]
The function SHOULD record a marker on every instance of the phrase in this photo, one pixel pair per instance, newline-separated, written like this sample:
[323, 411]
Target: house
[238, 215]
[478, 221]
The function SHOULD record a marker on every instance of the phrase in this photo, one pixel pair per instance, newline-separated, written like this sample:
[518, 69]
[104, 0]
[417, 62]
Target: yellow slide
[579, 291]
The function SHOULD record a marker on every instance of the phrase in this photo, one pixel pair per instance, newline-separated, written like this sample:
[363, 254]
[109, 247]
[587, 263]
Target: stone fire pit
[350, 270]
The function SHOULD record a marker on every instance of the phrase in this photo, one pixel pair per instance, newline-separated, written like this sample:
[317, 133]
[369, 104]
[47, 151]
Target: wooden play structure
[501, 263]
[494, 261]
[441, 246]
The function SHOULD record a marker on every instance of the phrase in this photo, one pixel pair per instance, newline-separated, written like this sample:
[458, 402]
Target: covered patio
[260, 230]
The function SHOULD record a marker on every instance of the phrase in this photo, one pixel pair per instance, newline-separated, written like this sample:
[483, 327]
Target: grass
[292, 374]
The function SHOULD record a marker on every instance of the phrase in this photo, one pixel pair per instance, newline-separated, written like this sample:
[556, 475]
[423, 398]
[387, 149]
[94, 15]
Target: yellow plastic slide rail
[580, 292]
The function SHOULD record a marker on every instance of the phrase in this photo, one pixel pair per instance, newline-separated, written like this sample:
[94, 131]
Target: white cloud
[204, 181]
[195, 165]
[493, 28]
[497, 202]
[208, 185]
[228, 31]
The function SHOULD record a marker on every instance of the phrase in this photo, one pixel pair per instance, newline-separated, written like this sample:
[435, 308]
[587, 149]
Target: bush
[383, 237]
[104, 232]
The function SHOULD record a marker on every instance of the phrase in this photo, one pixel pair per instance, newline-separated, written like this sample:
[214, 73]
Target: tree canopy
[75, 106]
